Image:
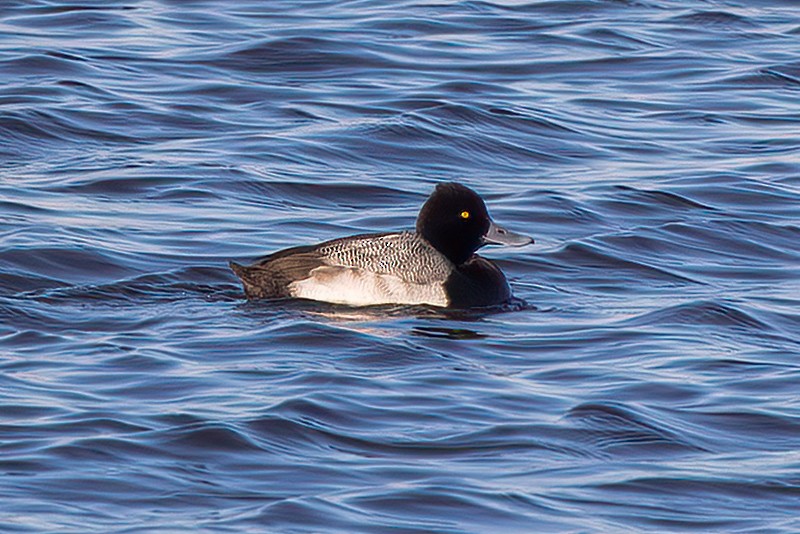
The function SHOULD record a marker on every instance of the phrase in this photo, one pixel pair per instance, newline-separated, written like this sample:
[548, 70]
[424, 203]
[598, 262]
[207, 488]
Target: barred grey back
[405, 255]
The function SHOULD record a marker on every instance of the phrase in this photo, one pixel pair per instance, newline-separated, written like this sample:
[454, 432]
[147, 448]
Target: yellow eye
[465, 214]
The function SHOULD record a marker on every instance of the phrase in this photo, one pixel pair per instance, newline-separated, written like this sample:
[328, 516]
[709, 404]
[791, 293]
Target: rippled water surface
[650, 381]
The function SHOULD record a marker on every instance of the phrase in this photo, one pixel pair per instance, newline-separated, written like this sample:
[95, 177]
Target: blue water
[647, 380]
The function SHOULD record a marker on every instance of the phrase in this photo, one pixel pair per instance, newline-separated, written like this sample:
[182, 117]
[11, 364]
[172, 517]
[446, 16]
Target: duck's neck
[452, 249]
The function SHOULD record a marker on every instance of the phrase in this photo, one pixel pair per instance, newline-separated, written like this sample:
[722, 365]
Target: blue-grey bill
[498, 235]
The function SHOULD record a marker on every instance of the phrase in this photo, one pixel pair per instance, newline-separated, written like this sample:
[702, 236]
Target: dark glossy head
[455, 221]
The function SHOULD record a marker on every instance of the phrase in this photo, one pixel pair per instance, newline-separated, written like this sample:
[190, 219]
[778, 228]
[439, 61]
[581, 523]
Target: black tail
[259, 281]
[272, 277]
[245, 275]
[240, 270]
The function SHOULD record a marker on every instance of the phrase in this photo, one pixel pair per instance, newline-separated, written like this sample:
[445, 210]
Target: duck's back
[393, 268]
[405, 255]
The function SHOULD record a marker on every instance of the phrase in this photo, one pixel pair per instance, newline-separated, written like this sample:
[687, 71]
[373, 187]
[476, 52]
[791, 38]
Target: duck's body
[435, 265]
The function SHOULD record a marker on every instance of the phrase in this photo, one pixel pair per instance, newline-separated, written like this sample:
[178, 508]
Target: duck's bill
[498, 235]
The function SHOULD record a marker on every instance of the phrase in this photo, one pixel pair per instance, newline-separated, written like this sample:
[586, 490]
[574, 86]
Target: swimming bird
[435, 265]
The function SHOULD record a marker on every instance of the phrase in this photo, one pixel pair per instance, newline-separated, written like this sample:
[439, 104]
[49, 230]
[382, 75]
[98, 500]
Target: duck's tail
[239, 270]
[260, 281]
[248, 278]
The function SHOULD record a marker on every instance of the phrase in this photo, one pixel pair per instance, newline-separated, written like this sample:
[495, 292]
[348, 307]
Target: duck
[434, 265]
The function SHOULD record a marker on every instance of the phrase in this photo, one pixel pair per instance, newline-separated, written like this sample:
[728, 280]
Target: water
[647, 380]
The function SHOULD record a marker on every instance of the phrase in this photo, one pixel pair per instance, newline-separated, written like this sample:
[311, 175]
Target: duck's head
[456, 222]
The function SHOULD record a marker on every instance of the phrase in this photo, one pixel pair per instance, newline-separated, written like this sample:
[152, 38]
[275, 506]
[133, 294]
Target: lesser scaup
[435, 265]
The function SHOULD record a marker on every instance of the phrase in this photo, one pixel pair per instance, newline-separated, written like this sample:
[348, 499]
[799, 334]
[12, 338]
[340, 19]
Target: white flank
[354, 287]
